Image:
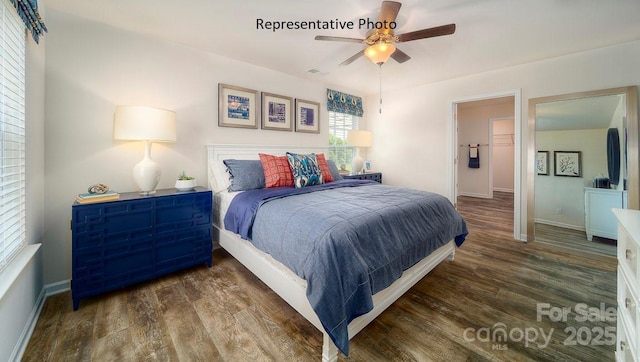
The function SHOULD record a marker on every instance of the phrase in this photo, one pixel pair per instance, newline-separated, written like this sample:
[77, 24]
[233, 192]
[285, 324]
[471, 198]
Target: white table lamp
[135, 123]
[358, 139]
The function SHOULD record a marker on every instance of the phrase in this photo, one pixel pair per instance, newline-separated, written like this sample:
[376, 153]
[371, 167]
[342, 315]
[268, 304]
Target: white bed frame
[288, 285]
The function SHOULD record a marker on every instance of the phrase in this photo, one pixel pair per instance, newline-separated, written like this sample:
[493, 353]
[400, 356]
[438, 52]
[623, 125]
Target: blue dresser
[137, 238]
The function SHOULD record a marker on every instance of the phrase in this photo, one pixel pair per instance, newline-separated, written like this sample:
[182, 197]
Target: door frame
[518, 164]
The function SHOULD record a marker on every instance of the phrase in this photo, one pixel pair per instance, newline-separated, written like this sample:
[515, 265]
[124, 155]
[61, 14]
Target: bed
[262, 250]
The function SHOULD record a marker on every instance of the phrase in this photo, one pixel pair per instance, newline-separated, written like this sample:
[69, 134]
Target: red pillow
[277, 172]
[324, 167]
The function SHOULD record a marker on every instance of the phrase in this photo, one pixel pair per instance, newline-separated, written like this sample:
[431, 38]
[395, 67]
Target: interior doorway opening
[487, 144]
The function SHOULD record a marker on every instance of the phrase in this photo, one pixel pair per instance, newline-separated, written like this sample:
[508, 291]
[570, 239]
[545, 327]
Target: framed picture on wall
[277, 112]
[567, 163]
[307, 116]
[237, 107]
[542, 163]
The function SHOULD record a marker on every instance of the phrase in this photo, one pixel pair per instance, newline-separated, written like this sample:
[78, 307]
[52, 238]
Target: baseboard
[471, 194]
[500, 189]
[559, 224]
[25, 336]
[58, 287]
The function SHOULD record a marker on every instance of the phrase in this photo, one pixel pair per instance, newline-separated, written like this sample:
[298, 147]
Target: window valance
[344, 103]
[28, 11]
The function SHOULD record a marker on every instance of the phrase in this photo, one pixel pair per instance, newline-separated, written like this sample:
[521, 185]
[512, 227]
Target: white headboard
[216, 153]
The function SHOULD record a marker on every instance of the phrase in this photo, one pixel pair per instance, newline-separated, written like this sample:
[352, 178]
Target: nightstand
[374, 176]
[136, 238]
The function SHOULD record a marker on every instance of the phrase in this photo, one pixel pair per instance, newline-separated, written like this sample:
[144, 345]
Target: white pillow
[218, 176]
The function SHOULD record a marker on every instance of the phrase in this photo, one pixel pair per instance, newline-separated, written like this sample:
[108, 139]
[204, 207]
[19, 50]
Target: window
[12, 133]
[339, 151]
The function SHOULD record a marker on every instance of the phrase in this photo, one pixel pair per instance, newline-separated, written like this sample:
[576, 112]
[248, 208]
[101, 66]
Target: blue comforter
[348, 239]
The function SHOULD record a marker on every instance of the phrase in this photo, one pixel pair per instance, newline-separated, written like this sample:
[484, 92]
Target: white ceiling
[583, 113]
[490, 34]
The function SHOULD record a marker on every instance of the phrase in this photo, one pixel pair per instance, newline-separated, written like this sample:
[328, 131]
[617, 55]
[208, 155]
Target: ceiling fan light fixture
[380, 52]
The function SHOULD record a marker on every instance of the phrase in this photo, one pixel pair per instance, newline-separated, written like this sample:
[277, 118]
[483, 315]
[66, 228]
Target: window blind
[12, 133]
[339, 125]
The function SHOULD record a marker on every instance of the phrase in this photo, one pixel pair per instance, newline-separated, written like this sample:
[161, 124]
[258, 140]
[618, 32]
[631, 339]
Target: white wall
[560, 200]
[416, 149]
[18, 306]
[91, 68]
[474, 126]
[503, 154]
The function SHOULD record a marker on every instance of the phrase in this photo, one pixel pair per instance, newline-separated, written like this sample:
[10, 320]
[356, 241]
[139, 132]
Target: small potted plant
[185, 183]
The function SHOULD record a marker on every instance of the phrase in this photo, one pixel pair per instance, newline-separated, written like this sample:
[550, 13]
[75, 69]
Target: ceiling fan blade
[400, 56]
[428, 33]
[352, 58]
[338, 38]
[388, 12]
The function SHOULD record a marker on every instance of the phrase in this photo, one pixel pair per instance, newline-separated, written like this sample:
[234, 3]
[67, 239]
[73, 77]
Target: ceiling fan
[380, 40]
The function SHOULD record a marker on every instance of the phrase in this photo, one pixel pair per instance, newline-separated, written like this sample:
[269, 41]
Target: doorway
[486, 131]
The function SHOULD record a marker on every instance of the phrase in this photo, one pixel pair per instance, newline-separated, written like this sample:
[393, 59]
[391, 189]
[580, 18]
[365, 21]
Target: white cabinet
[628, 335]
[598, 219]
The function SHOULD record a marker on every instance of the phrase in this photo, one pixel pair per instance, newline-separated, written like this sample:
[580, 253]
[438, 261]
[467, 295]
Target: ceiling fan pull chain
[380, 87]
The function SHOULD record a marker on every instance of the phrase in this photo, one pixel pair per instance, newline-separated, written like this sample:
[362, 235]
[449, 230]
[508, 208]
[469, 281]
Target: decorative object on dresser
[237, 107]
[375, 176]
[357, 139]
[628, 332]
[88, 197]
[599, 221]
[97, 193]
[136, 123]
[97, 189]
[185, 183]
[137, 238]
[277, 112]
[307, 116]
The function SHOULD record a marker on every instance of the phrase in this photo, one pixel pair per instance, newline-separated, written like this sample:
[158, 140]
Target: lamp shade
[136, 123]
[380, 52]
[359, 138]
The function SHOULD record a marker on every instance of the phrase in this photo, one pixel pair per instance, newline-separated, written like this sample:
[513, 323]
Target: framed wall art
[567, 163]
[307, 116]
[542, 163]
[277, 112]
[237, 107]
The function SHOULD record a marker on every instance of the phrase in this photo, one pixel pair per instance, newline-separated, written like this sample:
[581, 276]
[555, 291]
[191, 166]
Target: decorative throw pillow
[333, 169]
[324, 167]
[277, 172]
[218, 176]
[245, 174]
[305, 169]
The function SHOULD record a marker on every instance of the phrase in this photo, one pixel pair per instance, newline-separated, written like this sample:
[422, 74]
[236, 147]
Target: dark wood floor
[574, 239]
[226, 314]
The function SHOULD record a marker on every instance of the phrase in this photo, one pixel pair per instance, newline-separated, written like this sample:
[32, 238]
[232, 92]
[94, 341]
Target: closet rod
[484, 144]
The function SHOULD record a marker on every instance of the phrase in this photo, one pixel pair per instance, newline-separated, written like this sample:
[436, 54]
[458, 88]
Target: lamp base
[146, 173]
[357, 165]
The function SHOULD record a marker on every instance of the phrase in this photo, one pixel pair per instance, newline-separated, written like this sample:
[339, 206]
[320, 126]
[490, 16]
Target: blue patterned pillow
[305, 169]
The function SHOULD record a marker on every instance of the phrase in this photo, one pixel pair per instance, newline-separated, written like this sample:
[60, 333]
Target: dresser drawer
[628, 307]
[628, 253]
[625, 350]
